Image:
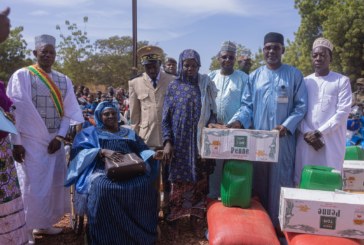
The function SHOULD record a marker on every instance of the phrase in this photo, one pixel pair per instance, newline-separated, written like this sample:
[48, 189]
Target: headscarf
[100, 108]
[185, 55]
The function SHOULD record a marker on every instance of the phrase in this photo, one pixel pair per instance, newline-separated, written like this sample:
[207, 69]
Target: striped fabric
[45, 106]
[123, 212]
[12, 223]
[55, 93]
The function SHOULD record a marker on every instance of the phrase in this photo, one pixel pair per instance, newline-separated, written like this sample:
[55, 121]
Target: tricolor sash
[53, 89]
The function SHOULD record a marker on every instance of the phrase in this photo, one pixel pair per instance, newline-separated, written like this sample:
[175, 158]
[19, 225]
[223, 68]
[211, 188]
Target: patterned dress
[188, 175]
[12, 217]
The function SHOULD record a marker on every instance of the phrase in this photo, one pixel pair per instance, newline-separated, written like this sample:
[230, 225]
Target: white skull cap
[322, 42]
[44, 40]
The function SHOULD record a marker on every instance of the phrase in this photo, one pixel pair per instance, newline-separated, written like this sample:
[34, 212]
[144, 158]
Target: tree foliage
[106, 61]
[344, 26]
[73, 53]
[339, 21]
[13, 54]
[258, 60]
[113, 60]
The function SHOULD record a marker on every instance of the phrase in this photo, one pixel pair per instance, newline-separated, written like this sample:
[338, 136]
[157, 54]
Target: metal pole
[135, 39]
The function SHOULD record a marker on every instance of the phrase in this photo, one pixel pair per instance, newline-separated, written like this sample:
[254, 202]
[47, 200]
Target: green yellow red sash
[54, 90]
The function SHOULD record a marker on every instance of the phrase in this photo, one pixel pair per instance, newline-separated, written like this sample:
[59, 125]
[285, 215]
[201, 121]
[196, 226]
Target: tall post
[135, 39]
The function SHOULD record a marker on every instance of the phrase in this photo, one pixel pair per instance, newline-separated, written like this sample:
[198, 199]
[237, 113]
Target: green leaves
[106, 61]
[13, 54]
[339, 21]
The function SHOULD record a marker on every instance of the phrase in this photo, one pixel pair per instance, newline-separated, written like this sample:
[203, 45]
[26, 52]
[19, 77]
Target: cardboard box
[322, 212]
[241, 144]
[353, 175]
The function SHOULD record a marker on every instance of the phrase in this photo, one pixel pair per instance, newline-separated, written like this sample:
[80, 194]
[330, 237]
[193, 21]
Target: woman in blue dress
[123, 212]
[189, 106]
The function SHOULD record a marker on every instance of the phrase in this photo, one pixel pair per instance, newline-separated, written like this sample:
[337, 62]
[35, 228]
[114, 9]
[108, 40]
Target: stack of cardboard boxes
[332, 213]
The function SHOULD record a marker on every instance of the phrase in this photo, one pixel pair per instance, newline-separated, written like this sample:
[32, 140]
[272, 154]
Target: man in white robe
[42, 123]
[322, 131]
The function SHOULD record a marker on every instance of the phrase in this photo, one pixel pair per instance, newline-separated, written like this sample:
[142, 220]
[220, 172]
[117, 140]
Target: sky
[173, 25]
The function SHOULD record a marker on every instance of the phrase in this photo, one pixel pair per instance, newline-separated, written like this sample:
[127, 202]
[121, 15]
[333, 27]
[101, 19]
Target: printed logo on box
[328, 218]
[240, 141]
[328, 222]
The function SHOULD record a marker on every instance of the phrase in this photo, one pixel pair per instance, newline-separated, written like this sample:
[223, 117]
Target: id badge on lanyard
[282, 95]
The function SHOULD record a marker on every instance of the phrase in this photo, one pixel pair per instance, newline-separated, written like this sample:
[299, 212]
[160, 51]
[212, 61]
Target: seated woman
[122, 212]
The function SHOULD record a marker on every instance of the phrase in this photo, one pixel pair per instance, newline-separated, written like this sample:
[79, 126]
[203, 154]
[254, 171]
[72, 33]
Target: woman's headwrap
[185, 55]
[100, 108]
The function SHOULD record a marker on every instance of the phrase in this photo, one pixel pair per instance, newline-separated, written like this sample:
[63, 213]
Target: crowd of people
[88, 102]
[165, 109]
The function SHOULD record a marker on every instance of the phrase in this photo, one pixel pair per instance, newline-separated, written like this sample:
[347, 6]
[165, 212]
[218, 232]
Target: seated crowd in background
[88, 102]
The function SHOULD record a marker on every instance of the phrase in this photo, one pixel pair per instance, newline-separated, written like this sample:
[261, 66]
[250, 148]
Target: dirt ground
[168, 235]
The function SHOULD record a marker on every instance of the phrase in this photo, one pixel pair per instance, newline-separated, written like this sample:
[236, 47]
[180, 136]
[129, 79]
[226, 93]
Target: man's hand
[308, 137]
[54, 145]
[234, 124]
[168, 152]
[19, 153]
[216, 125]
[282, 130]
[313, 138]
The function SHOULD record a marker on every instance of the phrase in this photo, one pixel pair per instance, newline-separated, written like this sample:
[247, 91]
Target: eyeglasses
[225, 57]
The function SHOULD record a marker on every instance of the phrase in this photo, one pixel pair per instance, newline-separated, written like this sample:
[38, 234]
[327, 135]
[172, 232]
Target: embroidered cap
[322, 42]
[228, 46]
[44, 40]
[150, 54]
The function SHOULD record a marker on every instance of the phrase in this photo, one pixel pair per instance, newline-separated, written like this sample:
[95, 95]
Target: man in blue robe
[274, 98]
[231, 84]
